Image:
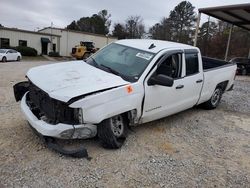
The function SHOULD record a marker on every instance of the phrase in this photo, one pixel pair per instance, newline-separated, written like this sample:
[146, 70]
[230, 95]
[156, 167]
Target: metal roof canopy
[238, 15]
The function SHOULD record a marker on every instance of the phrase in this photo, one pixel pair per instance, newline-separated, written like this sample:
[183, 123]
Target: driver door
[161, 101]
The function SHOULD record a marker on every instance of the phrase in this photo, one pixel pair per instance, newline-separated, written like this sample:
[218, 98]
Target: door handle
[199, 81]
[179, 87]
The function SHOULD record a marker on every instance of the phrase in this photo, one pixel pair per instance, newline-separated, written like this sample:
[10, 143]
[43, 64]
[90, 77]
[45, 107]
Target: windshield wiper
[111, 70]
[124, 77]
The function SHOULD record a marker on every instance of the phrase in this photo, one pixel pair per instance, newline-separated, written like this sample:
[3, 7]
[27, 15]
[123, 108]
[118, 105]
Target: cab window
[171, 66]
[192, 63]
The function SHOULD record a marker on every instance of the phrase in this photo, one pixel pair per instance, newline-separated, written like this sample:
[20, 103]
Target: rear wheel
[112, 132]
[18, 58]
[214, 101]
[4, 59]
[244, 71]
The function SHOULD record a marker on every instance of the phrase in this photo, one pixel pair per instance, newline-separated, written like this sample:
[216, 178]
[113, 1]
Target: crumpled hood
[63, 81]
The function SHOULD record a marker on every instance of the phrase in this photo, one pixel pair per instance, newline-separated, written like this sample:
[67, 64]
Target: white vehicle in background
[126, 83]
[9, 55]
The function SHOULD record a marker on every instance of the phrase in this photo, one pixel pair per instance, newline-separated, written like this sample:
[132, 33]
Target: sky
[34, 15]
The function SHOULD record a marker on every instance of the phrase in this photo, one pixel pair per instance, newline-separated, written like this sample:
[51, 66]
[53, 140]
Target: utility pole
[197, 29]
[228, 41]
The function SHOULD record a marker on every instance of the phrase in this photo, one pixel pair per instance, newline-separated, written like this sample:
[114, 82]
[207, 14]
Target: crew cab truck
[128, 82]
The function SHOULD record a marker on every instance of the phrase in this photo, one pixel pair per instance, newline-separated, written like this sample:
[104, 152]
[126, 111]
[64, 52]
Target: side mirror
[161, 79]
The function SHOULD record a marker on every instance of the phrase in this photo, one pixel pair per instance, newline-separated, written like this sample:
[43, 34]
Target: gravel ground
[195, 148]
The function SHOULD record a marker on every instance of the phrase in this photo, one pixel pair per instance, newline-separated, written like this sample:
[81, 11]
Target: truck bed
[215, 72]
[211, 63]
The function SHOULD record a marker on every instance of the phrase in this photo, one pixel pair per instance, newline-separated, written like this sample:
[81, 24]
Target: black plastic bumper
[52, 144]
[231, 88]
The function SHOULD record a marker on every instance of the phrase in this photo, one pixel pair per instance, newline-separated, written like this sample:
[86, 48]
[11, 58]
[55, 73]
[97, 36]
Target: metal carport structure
[238, 15]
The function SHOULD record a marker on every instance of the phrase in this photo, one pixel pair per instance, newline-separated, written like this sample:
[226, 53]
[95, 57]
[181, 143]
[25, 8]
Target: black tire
[18, 58]
[4, 59]
[244, 72]
[86, 55]
[214, 101]
[108, 134]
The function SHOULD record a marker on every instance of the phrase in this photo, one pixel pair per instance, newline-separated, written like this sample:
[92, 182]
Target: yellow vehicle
[84, 50]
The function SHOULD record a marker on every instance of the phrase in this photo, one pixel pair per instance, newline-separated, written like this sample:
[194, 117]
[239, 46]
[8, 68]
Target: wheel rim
[117, 126]
[244, 72]
[216, 97]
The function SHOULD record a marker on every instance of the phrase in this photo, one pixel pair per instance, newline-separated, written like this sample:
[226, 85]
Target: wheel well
[223, 85]
[131, 117]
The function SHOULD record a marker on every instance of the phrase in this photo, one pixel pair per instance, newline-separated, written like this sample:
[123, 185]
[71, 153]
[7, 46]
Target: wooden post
[197, 29]
[228, 41]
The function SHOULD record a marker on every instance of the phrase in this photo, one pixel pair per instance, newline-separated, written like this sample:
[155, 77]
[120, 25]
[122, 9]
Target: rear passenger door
[193, 79]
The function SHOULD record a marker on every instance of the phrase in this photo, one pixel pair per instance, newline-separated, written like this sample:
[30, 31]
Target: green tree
[119, 31]
[73, 26]
[182, 20]
[97, 23]
[207, 31]
[105, 16]
[135, 27]
[161, 31]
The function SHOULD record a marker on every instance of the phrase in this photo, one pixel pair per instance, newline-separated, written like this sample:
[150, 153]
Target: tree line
[178, 26]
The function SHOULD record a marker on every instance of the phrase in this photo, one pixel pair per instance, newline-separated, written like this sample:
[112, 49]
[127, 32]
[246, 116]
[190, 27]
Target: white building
[70, 39]
[11, 37]
[63, 40]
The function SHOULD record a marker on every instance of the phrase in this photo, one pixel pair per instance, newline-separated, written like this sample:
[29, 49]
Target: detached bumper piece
[77, 153]
[231, 88]
[53, 145]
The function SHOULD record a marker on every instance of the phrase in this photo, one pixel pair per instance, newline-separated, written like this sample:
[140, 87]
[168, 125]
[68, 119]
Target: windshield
[2, 51]
[127, 62]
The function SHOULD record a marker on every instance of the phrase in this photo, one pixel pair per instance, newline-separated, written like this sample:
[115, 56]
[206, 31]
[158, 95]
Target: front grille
[54, 111]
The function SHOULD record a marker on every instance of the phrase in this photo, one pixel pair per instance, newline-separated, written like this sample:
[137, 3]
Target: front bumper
[60, 130]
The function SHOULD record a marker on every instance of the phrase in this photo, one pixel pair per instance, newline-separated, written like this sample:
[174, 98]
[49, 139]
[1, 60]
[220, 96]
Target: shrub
[54, 54]
[26, 51]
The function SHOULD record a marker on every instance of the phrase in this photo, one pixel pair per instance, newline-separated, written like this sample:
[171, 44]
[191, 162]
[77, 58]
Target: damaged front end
[46, 108]
[48, 116]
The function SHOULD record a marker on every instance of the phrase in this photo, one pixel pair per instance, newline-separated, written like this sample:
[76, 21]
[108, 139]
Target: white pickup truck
[126, 83]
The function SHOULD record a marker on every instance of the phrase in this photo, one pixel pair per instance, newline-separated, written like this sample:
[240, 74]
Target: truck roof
[144, 44]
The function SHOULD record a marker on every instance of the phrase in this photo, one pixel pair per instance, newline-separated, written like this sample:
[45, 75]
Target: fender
[101, 106]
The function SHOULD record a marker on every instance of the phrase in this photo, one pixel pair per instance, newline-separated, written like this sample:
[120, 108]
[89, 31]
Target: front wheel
[214, 101]
[112, 132]
[4, 59]
[18, 58]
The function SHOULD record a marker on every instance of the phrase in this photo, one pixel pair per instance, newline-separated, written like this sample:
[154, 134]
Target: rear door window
[192, 63]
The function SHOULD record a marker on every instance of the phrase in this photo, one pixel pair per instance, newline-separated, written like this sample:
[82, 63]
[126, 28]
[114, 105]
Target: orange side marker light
[129, 89]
